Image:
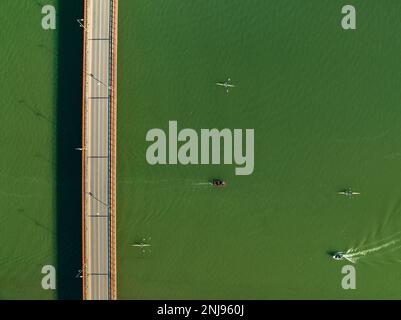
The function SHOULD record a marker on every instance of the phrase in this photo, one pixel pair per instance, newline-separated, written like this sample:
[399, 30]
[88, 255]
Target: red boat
[218, 183]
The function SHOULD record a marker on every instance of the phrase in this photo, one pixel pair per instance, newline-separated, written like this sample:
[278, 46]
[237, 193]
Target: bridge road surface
[97, 91]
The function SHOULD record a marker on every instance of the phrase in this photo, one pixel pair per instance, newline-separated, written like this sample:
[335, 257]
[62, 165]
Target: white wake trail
[353, 255]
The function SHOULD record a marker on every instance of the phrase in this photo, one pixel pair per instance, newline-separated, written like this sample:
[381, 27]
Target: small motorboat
[338, 256]
[218, 183]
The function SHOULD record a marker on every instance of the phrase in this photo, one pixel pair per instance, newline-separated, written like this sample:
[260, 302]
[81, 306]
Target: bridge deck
[99, 277]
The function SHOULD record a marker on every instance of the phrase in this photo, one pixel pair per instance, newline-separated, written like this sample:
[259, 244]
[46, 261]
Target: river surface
[28, 140]
[325, 107]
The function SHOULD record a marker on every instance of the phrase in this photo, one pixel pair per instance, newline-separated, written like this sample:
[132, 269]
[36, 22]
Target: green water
[325, 106]
[40, 173]
[27, 139]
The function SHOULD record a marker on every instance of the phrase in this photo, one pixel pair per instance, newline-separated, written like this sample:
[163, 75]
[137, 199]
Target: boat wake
[202, 184]
[353, 255]
[390, 243]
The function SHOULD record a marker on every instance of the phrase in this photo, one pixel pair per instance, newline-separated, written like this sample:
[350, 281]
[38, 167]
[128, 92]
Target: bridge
[99, 104]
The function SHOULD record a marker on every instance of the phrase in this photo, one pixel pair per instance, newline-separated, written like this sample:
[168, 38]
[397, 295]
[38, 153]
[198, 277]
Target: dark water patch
[68, 168]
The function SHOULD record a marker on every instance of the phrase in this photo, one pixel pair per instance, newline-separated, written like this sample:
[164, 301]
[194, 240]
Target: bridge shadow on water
[68, 168]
